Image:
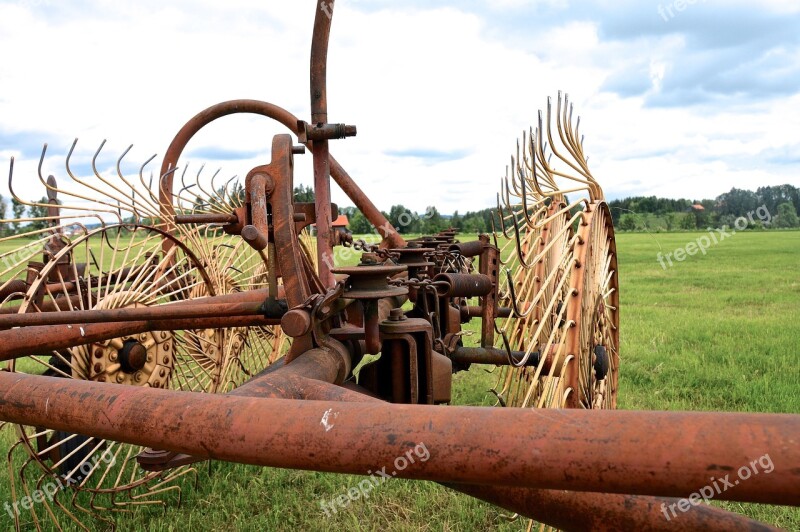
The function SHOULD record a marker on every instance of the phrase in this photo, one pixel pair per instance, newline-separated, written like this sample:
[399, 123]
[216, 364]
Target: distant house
[697, 208]
[339, 224]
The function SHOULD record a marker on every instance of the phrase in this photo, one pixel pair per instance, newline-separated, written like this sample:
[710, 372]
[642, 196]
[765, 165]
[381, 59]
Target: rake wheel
[561, 275]
[126, 268]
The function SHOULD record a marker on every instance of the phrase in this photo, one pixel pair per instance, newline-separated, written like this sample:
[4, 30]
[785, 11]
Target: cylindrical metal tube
[463, 284]
[650, 453]
[468, 249]
[579, 511]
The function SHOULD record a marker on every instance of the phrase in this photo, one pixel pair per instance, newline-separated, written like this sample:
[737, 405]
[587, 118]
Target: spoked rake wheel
[561, 275]
[125, 267]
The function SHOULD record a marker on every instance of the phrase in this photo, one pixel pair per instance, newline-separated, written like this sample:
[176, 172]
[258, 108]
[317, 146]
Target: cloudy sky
[678, 98]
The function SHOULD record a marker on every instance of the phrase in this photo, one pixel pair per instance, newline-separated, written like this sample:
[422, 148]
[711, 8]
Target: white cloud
[424, 79]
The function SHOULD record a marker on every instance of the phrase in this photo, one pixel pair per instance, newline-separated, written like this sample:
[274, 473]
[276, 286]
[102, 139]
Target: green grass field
[717, 332]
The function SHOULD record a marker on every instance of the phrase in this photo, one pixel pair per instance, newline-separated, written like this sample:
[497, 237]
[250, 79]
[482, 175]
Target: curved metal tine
[550, 137]
[148, 188]
[588, 179]
[501, 215]
[577, 150]
[108, 183]
[91, 187]
[184, 188]
[507, 344]
[74, 195]
[531, 223]
[34, 204]
[518, 241]
[231, 202]
[494, 238]
[565, 134]
[207, 196]
[507, 196]
[514, 166]
[215, 197]
[147, 208]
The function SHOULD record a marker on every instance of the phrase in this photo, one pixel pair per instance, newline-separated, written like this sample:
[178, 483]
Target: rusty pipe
[645, 453]
[203, 308]
[391, 237]
[320, 148]
[42, 339]
[579, 511]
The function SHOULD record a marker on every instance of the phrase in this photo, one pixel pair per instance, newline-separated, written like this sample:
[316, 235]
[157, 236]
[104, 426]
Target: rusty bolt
[369, 259]
[296, 323]
[397, 314]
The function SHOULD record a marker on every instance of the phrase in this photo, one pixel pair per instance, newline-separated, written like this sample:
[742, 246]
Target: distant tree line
[777, 204]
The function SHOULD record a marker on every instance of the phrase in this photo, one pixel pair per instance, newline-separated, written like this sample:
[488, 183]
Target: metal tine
[72, 194]
[550, 136]
[232, 201]
[545, 161]
[91, 187]
[218, 199]
[111, 185]
[564, 127]
[29, 204]
[512, 296]
[152, 212]
[148, 188]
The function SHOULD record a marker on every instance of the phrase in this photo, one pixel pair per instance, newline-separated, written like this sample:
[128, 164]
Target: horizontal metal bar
[43, 339]
[646, 453]
[578, 511]
[211, 218]
[207, 307]
[491, 356]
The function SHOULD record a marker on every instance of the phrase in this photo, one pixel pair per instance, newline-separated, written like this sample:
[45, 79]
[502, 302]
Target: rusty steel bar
[579, 511]
[391, 237]
[200, 308]
[38, 340]
[211, 218]
[644, 453]
[320, 148]
[491, 356]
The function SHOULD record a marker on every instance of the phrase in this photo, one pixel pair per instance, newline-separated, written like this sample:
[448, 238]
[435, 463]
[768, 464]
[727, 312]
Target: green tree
[433, 221]
[787, 216]
[473, 225]
[303, 194]
[689, 221]
[4, 228]
[38, 211]
[629, 222]
[18, 209]
[359, 224]
[671, 220]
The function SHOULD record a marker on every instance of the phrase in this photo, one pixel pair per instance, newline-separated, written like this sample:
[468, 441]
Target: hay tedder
[150, 325]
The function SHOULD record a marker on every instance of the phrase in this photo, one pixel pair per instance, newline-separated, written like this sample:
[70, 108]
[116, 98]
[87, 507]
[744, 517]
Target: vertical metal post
[320, 151]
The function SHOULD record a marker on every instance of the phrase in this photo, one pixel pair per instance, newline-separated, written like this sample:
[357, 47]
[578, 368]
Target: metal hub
[145, 359]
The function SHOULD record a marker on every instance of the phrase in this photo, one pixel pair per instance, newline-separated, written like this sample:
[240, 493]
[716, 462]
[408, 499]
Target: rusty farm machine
[163, 322]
